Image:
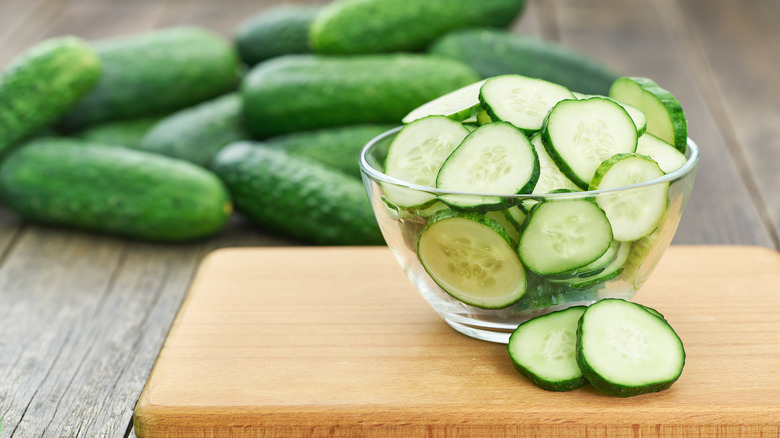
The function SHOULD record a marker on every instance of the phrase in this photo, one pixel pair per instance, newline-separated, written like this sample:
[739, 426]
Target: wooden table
[83, 316]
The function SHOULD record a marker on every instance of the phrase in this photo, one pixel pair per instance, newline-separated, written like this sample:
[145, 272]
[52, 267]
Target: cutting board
[335, 341]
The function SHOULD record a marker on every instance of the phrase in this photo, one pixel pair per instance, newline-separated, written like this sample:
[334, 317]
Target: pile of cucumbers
[162, 136]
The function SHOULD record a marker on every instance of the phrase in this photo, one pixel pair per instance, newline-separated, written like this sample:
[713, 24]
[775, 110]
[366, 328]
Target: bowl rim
[377, 175]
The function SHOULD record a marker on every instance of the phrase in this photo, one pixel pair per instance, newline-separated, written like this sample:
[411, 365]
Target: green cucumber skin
[125, 133]
[276, 31]
[494, 52]
[197, 133]
[306, 92]
[338, 148]
[114, 190]
[156, 73]
[42, 84]
[297, 197]
[378, 26]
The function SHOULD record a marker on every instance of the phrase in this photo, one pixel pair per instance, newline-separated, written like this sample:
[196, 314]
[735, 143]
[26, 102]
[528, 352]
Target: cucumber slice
[610, 271]
[458, 105]
[563, 235]
[494, 158]
[625, 350]
[592, 268]
[667, 156]
[550, 176]
[580, 134]
[543, 349]
[520, 100]
[637, 115]
[512, 230]
[516, 216]
[665, 116]
[417, 153]
[471, 257]
[637, 212]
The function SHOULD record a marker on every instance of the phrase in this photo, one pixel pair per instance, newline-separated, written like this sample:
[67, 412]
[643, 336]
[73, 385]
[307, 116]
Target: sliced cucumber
[665, 117]
[520, 100]
[637, 115]
[512, 230]
[562, 235]
[580, 134]
[494, 158]
[471, 257]
[634, 213]
[611, 270]
[550, 176]
[515, 215]
[458, 105]
[666, 155]
[417, 153]
[543, 349]
[625, 350]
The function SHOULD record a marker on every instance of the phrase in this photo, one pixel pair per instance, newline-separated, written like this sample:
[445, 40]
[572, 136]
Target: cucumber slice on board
[471, 257]
[520, 100]
[580, 134]
[667, 156]
[494, 158]
[544, 348]
[562, 235]
[417, 153]
[625, 350]
[665, 116]
[459, 105]
[637, 212]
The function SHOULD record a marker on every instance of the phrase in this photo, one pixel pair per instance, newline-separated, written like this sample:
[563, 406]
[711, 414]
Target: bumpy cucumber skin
[494, 52]
[156, 73]
[42, 84]
[277, 31]
[305, 92]
[377, 26]
[124, 133]
[113, 190]
[557, 386]
[197, 133]
[297, 197]
[338, 148]
[607, 386]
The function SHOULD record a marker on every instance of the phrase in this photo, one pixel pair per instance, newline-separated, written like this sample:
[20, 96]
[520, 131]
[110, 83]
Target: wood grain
[351, 349]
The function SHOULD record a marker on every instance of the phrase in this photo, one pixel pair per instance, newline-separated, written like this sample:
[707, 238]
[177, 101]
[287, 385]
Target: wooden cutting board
[289, 342]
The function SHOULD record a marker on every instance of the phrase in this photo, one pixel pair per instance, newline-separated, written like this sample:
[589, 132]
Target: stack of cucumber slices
[478, 147]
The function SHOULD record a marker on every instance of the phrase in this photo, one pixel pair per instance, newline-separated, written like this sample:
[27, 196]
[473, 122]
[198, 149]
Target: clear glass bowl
[401, 228]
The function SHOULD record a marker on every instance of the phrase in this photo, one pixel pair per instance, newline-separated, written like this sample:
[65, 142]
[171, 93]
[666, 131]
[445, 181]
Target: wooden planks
[351, 349]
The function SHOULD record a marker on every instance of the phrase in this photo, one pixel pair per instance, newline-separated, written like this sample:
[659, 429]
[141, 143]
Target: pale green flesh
[661, 116]
[550, 176]
[666, 155]
[634, 213]
[637, 115]
[458, 105]
[472, 262]
[615, 265]
[546, 346]
[584, 133]
[564, 235]
[627, 345]
[416, 155]
[511, 229]
[521, 100]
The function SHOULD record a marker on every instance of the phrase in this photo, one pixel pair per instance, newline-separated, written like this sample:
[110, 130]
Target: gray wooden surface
[83, 316]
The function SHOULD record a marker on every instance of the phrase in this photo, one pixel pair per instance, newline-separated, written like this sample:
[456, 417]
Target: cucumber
[43, 83]
[113, 190]
[550, 176]
[580, 134]
[276, 31]
[562, 235]
[459, 105]
[125, 133]
[379, 26]
[665, 117]
[625, 350]
[544, 348]
[305, 92]
[667, 156]
[297, 197]
[495, 52]
[338, 148]
[197, 133]
[495, 158]
[416, 156]
[156, 73]
[637, 115]
[471, 257]
[608, 271]
[635, 213]
[521, 100]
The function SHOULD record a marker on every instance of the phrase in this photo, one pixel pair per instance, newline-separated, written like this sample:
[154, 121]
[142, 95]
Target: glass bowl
[401, 228]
